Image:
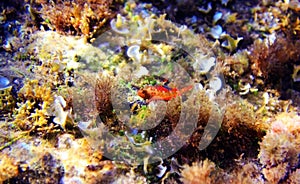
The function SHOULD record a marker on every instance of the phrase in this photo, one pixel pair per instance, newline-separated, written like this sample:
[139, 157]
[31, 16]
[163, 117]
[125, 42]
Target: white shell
[141, 72]
[134, 52]
[217, 17]
[215, 84]
[216, 31]
[206, 65]
[121, 30]
[4, 83]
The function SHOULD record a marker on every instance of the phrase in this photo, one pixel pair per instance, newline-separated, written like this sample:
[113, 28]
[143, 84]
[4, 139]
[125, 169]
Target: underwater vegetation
[37, 100]
[279, 149]
[72, 17]
[274, 63]
[201, 170]
[149, 91]
[7, 102]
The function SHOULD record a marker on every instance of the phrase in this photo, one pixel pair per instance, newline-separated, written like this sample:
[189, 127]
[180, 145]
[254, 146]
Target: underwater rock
[46, 170]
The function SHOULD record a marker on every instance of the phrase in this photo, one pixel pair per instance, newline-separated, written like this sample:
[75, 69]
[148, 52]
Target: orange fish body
[150, 93]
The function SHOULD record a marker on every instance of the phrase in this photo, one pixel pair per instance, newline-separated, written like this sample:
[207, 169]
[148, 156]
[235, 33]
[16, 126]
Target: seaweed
[75, 17]
[279, 150]
[273, 62]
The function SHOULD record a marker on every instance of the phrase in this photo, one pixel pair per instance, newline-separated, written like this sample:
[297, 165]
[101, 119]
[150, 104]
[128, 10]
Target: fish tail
[185, 89]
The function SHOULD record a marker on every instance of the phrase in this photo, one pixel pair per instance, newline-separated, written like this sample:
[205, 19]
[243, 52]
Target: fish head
[143, 93]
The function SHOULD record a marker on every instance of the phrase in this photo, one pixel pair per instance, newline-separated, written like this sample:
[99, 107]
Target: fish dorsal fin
[162, 88]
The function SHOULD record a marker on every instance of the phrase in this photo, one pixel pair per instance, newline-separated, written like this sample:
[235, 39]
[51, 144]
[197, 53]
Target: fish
[161, 92]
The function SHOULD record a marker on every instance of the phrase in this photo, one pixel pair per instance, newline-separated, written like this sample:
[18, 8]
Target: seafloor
[166, 91]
